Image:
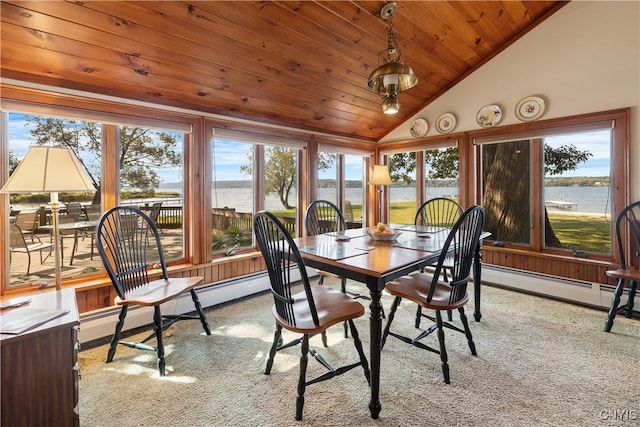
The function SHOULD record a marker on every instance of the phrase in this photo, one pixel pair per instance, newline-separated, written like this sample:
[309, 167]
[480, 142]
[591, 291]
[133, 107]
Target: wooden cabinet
[39, 373]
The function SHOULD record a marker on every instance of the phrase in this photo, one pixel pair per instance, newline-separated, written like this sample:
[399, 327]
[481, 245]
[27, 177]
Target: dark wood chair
[431, 292]
[627, 224]
[308, 312]
[438, 212]
[122, 237]
[323, 216]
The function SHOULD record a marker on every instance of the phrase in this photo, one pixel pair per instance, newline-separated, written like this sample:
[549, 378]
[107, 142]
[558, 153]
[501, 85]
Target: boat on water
[561, 204]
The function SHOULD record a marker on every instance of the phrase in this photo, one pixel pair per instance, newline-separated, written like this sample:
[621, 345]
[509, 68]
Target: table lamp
[50, 170]
[380, 176]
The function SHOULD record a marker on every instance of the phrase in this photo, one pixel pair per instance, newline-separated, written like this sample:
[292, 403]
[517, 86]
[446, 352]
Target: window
[250, 172]
[151, 179]
[437, 163]
[147, 168]
[231, 194]
[32, 212]
[553, 189]
[340, 180]
[353, 189]
[506, 190]
[577, 191]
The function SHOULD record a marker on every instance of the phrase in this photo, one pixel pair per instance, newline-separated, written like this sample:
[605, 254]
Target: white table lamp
[380, 176]
[50, 170]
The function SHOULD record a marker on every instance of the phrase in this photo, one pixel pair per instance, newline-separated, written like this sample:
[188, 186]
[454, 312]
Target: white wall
[584, 58]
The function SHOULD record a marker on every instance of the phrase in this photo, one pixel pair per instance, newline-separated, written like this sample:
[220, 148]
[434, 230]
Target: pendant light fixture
[392, 76]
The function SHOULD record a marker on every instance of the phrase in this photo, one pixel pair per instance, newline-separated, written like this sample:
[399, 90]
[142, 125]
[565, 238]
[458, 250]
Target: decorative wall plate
[419, 128]
[530, 108]
[446, 123]
[489, 116]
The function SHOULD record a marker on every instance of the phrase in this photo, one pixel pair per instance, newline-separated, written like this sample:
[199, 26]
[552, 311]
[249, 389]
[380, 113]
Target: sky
[230, 156]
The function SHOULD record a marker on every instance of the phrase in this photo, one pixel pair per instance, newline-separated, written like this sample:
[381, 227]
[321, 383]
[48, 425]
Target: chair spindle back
[629, 221]
[438, 212]
[322, 216]
[283, 263]
[122, 237]
[461, 243]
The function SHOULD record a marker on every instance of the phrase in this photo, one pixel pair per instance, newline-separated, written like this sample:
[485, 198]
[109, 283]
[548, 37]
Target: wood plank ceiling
[300, 64]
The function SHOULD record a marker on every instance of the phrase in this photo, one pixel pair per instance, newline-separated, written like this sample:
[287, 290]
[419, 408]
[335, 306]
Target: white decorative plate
[530, 108]
[489, 116]
[419, 128]
[446, 123]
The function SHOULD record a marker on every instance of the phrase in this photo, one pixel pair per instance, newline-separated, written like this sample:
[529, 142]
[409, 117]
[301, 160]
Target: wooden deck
[82, 263]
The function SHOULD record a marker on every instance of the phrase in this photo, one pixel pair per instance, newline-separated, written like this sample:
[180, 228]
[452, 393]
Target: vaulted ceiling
[300, 64]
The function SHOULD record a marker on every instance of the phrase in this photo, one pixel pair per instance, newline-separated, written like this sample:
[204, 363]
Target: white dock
[561, 204]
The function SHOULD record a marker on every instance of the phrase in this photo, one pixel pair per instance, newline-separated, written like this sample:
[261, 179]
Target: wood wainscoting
[567, 267]
[100, 294]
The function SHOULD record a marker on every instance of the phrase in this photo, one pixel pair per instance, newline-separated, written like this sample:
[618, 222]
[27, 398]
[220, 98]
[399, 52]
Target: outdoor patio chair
[154, 213]
[431, 292]
[438, 212]
[627, 275]
[132, 266]
[309, 312]
[18, 243]
[28, 222]
[74, 210]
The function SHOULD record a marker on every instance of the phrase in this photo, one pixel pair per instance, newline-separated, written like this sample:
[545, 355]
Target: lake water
[588, 199]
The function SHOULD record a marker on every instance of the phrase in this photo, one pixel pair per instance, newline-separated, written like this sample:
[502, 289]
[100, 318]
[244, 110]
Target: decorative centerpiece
[382, 233]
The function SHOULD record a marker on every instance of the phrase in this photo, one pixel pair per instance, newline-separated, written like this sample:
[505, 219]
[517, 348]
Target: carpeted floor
[540, 363]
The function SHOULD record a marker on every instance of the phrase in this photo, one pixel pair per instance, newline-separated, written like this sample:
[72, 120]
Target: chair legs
[439, 327]
[615, 302]
[203, 319]
[159, 326]
[158, 329]
[305, 349]
[116, 335]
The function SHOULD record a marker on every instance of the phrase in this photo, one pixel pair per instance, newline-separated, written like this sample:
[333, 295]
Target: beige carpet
[540, 362]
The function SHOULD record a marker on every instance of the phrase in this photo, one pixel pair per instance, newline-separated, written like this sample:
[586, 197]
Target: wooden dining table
[353, 254]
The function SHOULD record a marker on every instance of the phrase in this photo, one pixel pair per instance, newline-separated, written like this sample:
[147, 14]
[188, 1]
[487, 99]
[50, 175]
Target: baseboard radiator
[595, 295]
[101, 323]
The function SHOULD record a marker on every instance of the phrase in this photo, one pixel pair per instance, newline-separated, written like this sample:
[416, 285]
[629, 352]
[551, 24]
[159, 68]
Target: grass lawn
[582, 232]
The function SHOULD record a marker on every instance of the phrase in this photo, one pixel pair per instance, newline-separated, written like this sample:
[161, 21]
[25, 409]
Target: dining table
[355, 255]
[75, 227]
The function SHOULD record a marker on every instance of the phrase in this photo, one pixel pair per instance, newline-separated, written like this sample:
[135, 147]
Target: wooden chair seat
[624, 273]
[416, 287]
[332, 307]
[159, 291]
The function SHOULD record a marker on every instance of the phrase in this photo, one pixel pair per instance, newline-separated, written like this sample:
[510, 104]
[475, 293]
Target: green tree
[142, 151]
[280, 171]
[506, 184]
[13, 162]
[441, 164]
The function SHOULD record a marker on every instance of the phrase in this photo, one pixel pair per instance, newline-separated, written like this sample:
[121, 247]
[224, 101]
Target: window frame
[75, 108]
[619, 120]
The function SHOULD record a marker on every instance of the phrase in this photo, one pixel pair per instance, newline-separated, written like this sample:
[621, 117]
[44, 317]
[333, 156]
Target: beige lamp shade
[49, 170]
[380, 175]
